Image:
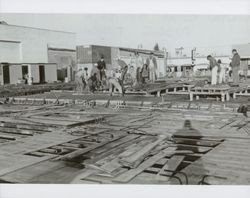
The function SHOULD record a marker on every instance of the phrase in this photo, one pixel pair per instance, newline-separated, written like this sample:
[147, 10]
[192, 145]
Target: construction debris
[60, 137]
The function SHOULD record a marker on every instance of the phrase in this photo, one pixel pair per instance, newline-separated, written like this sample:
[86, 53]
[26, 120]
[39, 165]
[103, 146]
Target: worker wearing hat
[101, 66]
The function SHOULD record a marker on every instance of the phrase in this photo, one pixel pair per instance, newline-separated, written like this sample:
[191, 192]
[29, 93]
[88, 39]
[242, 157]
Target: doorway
[24, 70]
[25, 73]
[42, 73]
[6, 74]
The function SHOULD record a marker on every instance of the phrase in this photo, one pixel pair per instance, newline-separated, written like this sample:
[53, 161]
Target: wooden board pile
[144, 159]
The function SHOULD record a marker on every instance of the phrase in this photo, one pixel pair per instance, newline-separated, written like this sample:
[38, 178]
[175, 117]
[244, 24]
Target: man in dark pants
[235, 66]
[93, 83]
[101, 66]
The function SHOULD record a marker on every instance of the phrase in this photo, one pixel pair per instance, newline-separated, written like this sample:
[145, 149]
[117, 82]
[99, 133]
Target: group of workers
[138, 72]
[218, 69]
[146, 71]
[90, 80]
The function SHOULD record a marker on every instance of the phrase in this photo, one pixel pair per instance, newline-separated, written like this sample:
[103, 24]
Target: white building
[40, 52]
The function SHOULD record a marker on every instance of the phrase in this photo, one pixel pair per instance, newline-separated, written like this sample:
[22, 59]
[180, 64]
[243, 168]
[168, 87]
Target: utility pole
[165, 60]
[193, 54]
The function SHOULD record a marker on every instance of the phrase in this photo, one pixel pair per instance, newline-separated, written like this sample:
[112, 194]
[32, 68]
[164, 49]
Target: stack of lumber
[141, 161]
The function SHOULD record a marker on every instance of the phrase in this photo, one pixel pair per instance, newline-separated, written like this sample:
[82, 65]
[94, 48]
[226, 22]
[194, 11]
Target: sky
[169, 31]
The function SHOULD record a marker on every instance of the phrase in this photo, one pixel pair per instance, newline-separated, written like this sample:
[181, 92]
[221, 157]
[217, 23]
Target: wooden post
[227, 96]
[234, 95]
[222, 97]
[162, 99]
[158, 93]
[191, 96]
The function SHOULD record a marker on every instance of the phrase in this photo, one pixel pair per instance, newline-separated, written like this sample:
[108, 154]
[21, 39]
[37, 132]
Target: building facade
[42, 50]
[87, 56]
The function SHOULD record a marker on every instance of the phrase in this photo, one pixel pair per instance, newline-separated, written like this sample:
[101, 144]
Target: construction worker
[116, 80]
[138, 60]
[79, 80]
[114, 83]
[152, 65]
[145, 73]
[222, 72]
[213, 65]
[138, 66]
[138, 76]
[92, 82]
[235, 63]
[85, 77]
[101, 66]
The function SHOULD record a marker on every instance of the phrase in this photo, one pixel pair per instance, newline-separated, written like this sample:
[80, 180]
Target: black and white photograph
[148, 99]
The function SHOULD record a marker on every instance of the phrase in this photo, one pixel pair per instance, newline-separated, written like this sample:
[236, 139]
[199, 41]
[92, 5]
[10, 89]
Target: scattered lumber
[171, 165]
[127, 176]
[134, 160]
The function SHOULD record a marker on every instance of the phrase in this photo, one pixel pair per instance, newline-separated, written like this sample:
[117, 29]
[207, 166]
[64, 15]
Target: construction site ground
[69, 137]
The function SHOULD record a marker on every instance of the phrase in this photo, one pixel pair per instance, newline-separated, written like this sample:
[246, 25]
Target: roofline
[61, 49]
[119, 47]
[8, 41]
[189, 57]
[27, 63]
[38, 28]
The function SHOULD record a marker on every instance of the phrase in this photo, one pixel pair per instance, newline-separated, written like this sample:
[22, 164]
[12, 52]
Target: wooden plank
[85, 150]
[198, 142]
[116, 147]
[171, 165]
[195, 149]
[17, 131]
[12, 163]
[127, 176]
[135, 159]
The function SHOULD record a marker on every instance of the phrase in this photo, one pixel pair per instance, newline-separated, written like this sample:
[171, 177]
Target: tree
[156, 47]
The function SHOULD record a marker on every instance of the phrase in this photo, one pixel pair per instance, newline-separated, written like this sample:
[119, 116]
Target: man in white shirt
[222, 72]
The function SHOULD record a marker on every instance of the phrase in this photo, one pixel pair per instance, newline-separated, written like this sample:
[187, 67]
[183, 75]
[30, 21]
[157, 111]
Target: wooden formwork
[243, 92]
[222, 92]
[178, 88]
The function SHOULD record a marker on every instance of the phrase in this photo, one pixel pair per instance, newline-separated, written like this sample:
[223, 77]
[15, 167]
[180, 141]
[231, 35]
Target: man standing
[235, 66]
[138, 66]
[214, 69]
[79, 80]
[222, 72]
[138, 60]
[101, 66]
[152, 65]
